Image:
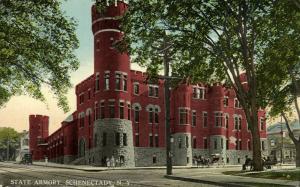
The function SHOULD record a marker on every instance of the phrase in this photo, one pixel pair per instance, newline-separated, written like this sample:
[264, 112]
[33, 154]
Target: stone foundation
[118, 151]
[145, 156]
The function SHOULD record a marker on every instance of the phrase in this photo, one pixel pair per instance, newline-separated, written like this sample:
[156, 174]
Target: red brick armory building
[119, 115]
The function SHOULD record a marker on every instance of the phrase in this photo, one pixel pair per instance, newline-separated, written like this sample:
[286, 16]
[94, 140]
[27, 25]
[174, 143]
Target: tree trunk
[297, 145]
[256, 144]
[257, 161]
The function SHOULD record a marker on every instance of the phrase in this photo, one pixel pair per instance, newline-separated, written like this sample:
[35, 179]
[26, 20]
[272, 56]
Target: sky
[16, 112]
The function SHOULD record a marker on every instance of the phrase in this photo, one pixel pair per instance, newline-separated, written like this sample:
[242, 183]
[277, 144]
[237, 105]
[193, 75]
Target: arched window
[81, 119]
[136, 114]
[137, 108]
[150, 115]
[226, 120]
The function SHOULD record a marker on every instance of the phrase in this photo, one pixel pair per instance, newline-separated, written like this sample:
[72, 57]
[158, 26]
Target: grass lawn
[280, 174]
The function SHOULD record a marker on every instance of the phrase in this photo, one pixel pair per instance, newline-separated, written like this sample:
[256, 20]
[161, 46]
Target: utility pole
[7, 150]
[167, 110]
[281, 150]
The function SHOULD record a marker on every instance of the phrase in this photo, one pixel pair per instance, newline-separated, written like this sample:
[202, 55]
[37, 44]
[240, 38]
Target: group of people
[202, 161]
[112, 162]
[266, 162]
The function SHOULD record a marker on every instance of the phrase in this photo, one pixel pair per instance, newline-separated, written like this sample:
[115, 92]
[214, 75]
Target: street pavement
[33, 175]
[68, 175]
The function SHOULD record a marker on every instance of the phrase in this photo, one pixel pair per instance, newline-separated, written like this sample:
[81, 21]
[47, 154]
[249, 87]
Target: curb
[204, 181]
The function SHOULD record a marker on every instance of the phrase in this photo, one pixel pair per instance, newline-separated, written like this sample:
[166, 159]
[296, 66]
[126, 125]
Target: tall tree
[215, 40]
[37, 42]
[9, 141]
[285, 100]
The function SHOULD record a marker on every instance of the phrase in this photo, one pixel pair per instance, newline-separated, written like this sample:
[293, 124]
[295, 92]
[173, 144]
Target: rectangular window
[205, 119]
[136, 115]
[136, 89]
[97, 84]
[102, 111]
[240, 123]
[156, 117]
[154, 160]
[237, 145]
[124, 139]
[263, 145]
[81, 121]
[225, 102]
[153, 91]
[111, 106]
[183, 118]
[187, 142]
[106, 81]
[227, 144]
[96, 111]
[261, 121]
[150, 116]
[156, 91]
[81, 98]
[89, 94]
[118, 81]
[150, 140]
[199, 93]
[195, 95]
[117, 139]
[121, 110]
[194, 118]
[240, 144]
[156, 141]
[194, 142]
[249, 145]
[104, 139]
[226, 120]
[215, 144]
[205, 143]
[222, 146]
[179, 143]
[236, 122]
[89, 119]
[128, 111]
[137, 140]
[125, 82]
[218, 119]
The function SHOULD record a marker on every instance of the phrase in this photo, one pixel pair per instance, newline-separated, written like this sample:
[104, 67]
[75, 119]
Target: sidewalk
[216, 177]
[96, 168]
[212, 175]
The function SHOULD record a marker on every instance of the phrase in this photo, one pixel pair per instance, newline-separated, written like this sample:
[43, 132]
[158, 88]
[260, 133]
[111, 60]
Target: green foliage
[217, 40]
[8, 133]
[37, 42]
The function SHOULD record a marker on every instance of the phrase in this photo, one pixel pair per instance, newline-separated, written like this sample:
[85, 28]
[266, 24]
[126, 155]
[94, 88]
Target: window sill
[125, 91]
[155, 97]
[201, 99]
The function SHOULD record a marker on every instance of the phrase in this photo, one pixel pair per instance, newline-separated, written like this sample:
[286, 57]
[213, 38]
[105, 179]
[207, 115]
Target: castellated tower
[38, 132]
[113, 130]
[182, 132]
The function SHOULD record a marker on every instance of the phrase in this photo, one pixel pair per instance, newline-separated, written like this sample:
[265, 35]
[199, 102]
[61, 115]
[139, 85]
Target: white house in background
[280, 142]
[24, 146]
